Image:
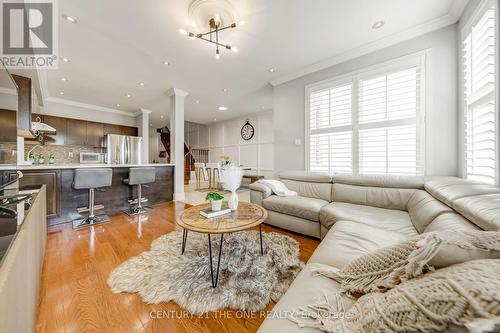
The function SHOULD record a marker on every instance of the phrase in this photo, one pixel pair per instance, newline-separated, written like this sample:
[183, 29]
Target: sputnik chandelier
[212, 36]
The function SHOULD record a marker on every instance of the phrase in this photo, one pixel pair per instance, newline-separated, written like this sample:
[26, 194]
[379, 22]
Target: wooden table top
[247, 215]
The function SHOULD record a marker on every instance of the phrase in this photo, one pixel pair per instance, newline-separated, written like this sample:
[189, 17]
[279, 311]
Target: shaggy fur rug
[247, 280]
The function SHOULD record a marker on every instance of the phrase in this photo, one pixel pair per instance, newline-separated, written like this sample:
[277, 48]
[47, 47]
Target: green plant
[214, 196]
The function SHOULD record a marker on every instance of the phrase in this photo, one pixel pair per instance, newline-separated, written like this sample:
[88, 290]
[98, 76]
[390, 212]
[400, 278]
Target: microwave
[91, 158]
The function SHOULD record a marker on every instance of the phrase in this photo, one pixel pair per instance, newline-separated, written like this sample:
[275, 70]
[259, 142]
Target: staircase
[190, 155]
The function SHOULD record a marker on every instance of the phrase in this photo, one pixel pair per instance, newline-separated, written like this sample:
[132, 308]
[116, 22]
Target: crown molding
[89, 106]
[454, 13]
[457, 7]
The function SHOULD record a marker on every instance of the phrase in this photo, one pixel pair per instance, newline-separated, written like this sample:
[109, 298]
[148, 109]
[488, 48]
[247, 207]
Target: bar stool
[139, 177]
[213, 173]
[91, 179]
[200, 170]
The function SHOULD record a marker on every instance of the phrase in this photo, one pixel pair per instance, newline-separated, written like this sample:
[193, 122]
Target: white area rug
[247, 280]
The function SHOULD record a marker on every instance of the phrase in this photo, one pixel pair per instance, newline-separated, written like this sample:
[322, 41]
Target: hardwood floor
[75, 297]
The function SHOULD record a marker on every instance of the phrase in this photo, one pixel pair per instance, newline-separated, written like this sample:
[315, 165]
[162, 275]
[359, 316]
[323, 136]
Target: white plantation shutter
[330, 143]
[479, 92]
[371, 123]
[388, 111]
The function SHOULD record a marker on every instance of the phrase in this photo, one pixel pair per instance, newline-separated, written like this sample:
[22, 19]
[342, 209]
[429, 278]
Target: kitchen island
[63, 200]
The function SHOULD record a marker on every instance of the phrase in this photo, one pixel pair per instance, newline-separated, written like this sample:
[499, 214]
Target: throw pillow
[466, 295]
[387, 267]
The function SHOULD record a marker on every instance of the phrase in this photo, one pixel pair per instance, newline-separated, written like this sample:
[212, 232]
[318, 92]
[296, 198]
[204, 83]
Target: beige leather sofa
[355, 215]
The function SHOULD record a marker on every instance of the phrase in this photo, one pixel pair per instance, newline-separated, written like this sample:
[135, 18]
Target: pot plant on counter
[215, 199]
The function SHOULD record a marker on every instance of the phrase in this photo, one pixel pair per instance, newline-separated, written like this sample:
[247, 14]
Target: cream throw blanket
[385, 268]
[278, 188]
[466, 294]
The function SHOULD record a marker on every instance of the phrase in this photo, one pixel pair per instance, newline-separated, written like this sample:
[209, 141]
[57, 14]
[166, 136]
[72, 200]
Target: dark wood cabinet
[76, 132]
[127, 130]
[112, 129]
[95, 133]
[60, 125]
[8, 126]
[52, 180]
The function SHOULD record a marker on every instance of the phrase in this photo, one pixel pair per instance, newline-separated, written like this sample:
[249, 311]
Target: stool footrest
[136, 201]
[86, 209]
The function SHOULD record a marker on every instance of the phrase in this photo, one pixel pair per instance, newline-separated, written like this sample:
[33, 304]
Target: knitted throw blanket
[466, 294]
[385, 268]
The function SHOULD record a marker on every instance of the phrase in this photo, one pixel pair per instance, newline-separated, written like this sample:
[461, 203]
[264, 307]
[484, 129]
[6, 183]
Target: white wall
[441, 122]
[256, 153]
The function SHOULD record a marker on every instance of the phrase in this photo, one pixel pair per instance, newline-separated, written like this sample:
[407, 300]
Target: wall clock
[247, 131]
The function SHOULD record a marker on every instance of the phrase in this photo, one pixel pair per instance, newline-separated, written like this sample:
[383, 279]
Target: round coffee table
[248, 215]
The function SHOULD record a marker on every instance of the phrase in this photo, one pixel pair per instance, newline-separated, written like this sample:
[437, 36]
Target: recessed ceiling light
[64, 79]
[197, 102]
[271, 70]
[224, 90]
[61, 93]
[378, 25]
[65, 59]
[215, 119]
[222, 108]
[165, 62]
[117, 105]
[141, 84]
[262, 107]
[128, 95]
[70, 18]
[161, 117]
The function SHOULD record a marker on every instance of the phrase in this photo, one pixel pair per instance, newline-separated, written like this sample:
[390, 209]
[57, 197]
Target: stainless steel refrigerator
[122, 149]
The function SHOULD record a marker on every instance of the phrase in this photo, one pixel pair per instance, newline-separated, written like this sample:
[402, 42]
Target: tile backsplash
[62, 154]
[8, 153]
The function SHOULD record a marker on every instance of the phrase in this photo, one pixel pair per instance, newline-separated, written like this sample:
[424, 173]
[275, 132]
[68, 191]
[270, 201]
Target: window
[369, 122]
[480, 116]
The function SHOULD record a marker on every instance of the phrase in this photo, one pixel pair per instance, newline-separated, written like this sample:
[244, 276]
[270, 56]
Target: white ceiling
[116, 44]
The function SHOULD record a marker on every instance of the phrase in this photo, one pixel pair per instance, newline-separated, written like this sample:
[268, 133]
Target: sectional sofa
[355, 215]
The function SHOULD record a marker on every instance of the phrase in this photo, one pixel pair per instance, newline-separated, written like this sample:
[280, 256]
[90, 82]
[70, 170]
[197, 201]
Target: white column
[143, 126]
[177, 97]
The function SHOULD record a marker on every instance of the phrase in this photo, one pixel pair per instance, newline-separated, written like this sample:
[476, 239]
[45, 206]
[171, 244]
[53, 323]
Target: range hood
[42, 128]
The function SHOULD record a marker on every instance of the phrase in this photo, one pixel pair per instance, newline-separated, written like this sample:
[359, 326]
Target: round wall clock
[247, 131]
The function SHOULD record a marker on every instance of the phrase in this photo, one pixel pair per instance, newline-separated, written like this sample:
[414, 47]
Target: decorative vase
[216, 205]
[233, 201]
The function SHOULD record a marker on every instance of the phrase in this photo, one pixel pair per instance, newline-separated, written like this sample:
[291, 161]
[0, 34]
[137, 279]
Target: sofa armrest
[259, 192]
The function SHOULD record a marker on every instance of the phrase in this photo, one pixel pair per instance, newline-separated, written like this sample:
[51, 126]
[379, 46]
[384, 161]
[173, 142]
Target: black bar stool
[139, 176]
[91, 179]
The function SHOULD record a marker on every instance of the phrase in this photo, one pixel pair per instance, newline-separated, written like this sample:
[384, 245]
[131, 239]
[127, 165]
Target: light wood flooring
[75, 297]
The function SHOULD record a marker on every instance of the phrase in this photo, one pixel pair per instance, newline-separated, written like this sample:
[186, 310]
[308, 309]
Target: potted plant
[215, 199]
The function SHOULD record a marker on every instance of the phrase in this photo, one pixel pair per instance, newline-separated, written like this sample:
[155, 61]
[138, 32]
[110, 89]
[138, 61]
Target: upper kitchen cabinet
[112, 129]
[95, 134]
[76, 134]
[127, 130]
[8, 126]
[60, 125]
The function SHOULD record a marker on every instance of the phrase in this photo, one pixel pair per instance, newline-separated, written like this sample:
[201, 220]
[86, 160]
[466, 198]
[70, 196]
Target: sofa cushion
[449, 189]
[303, 207]
[306, 176]
[483, 210]
[315, 190]
[423, 209]
[293, 223]
[348, 240]
[382, 197]
[386, 219]
[305, 289]
[450, 221]
[381, 181]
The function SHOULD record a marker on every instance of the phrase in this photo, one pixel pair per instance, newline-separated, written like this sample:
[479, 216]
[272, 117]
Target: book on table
[209, 213]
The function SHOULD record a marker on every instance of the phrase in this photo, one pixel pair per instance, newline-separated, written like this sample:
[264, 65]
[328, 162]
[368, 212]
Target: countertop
[87, 165]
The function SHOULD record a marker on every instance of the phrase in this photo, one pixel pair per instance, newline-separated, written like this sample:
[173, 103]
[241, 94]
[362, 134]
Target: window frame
[420, 59]
[474, 18]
